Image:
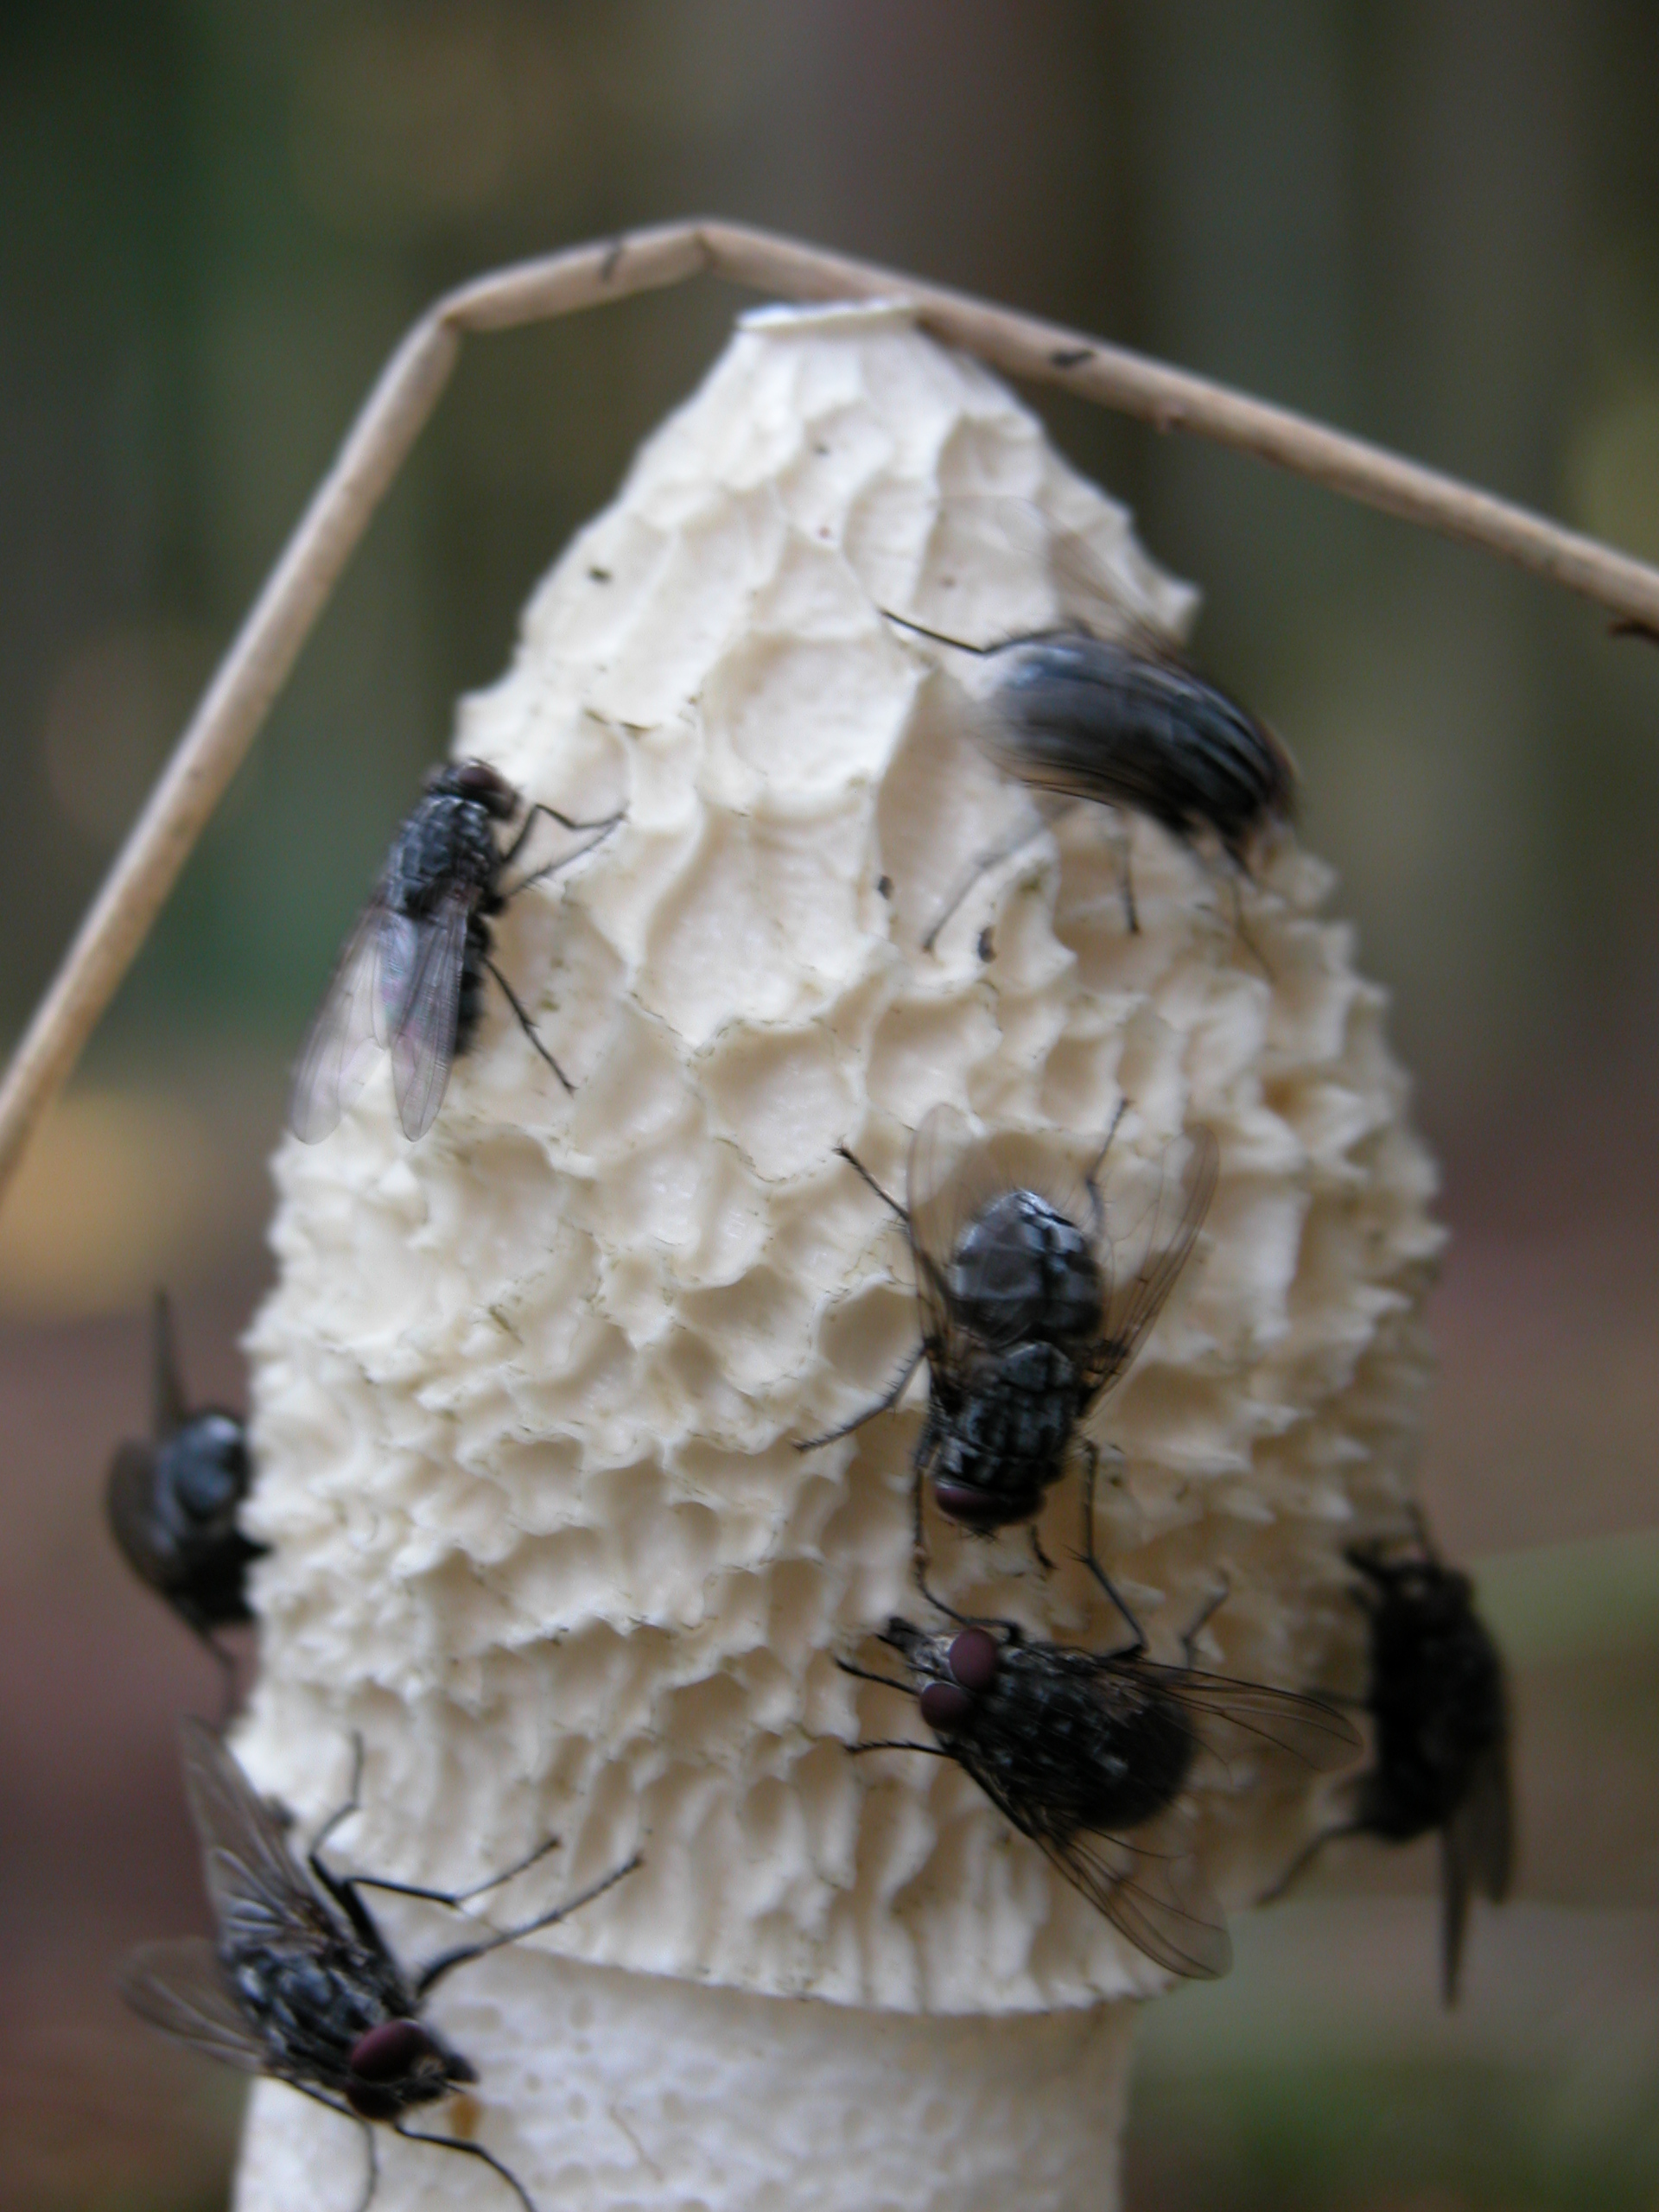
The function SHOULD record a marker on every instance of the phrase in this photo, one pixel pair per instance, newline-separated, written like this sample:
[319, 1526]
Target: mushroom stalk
[529, 1392]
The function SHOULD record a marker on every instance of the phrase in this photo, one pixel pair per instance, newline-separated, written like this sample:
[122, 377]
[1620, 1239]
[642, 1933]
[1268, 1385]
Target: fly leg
[1090, 1558]
[1309, 1851]
[601, 828]
[1048, 810]
[902, 1743]
[1212, 1604]
[344, 1888]
[456, 1898]
[526, 1023]
[341, 1887]
[372, 2149]
[433, 1971]
[885, 1403]
[863, 1172]
[1235, 875]
[1123, 845]
[1091, 1180]
[340, 1815]
[470, 2151]
[226, 1662]
[982, 864]
[886, 1744]
[919, 1536]
[332, 2104]
[867, 1675]
[900, 1383]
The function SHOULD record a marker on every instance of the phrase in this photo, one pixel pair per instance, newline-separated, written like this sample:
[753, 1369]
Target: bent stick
[218, 735]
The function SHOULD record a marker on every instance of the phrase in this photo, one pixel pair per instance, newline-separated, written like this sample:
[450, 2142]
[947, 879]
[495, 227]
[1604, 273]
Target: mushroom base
[600, 2089]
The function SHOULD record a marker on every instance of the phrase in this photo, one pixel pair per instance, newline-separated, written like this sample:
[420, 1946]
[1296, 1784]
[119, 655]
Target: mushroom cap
[527, 1394]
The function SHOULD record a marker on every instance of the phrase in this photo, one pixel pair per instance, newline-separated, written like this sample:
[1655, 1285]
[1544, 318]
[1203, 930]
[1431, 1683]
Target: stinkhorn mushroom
[528, 1394]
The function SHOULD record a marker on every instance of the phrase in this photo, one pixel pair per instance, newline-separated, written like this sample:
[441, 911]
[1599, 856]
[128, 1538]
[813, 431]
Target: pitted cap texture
[528, 1394]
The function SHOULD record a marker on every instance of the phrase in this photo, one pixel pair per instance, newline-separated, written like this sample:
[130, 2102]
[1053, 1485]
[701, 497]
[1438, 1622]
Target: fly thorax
[203, 1473]
[1023, 1269]
[446, 841]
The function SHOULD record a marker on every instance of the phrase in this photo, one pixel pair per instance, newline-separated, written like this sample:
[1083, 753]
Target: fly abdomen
[1080, 1746]
[469, 1007]
[1087, 718]
[1005, 1444]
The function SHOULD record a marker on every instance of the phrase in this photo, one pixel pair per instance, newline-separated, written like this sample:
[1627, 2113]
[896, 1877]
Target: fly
[1101, 710]
[410, 976]
[1088, 1755]
[173, 1501]
[301, 1984]
[1028, 1318]
[1440, 1751]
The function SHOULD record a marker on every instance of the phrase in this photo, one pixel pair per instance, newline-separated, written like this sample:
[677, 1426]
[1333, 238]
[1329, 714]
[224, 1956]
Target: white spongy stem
[602, 2090]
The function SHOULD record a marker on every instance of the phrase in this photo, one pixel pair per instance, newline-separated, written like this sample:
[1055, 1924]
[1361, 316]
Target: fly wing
[1150, 1887]
[181, 1988]
[252, 1881]
[1140, 1265]
[940, 1206]
[1248, 1722]
[1454, 1908]
[1052, 575]
[1089, 598]
[127, 1501]
[1477, 1852]
[1148, 1884]
[1485, 1823]
[348, 1025]
[168, 1409]
[427, 1015]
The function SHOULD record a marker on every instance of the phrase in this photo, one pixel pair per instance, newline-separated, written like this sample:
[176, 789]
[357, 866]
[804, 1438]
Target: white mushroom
[528, 1394]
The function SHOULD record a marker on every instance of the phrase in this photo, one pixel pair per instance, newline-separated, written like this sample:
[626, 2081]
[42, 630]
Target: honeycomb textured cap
[527, 1394]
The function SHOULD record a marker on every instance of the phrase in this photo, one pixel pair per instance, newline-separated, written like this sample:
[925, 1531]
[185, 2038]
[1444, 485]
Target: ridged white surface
[527, 1393]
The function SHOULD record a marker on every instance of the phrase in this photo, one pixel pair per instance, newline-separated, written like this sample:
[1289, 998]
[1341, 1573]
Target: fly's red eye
[476, 779]
[390, 2052]
[943, 1706]
[973, 1659]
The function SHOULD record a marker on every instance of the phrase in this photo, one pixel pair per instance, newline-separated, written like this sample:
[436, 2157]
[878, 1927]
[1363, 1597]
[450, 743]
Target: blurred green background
[1436, 224]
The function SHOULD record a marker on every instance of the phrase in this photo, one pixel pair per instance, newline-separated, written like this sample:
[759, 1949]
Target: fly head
[398, 2064]
[476, 780]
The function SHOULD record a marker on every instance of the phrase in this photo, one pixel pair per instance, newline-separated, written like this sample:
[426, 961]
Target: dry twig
[254, 670]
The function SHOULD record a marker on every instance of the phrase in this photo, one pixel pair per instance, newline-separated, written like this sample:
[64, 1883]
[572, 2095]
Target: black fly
[1087, 1754]
[410, 976]
[1027, 1317]
[1098, 708]
[301, 1984]
[173, 1501]
[1440, 1724]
